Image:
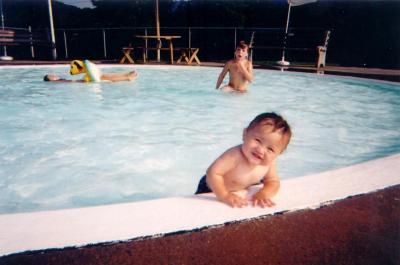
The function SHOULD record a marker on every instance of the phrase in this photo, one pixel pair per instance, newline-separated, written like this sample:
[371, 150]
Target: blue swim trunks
[202, 187]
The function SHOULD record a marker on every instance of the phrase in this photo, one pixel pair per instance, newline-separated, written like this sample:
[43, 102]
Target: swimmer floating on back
[105, 77]
[91, 74]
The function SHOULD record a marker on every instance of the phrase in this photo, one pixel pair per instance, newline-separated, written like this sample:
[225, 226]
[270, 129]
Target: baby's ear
[244, 133]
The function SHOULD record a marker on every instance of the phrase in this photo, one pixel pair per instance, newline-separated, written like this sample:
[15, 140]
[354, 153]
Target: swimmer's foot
[132, 75]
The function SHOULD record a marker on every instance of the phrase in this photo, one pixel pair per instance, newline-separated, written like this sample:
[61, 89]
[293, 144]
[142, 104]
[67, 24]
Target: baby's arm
[222, 75]
[215, 179]
[269, 190]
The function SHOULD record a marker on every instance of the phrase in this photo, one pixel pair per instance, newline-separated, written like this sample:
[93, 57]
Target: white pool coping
[186, 67]
[78, 227]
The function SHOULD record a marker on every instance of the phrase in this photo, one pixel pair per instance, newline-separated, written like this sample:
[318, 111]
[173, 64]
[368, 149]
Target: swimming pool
[73, 145]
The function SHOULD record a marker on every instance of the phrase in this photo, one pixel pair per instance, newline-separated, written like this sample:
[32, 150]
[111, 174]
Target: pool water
[68, 145]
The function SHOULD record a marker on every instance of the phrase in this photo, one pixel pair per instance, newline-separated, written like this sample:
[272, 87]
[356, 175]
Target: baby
[250, 163]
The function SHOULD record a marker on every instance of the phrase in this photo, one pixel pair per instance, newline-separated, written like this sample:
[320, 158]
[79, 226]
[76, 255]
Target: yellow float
[92, 73]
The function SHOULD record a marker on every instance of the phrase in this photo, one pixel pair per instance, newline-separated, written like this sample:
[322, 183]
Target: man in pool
[129, 76]
[252, 162]
[240, 70]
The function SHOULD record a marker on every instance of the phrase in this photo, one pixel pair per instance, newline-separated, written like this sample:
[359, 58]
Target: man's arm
[247, 70]
[67, 81]
[222, 75]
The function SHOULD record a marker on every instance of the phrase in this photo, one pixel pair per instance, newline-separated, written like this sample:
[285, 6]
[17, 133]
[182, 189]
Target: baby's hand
[260, 198]
[234, 200]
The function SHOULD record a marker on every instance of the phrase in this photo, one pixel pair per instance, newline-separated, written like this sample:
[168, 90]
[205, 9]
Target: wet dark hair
[46, 78]
[277, 122]
[243, 45]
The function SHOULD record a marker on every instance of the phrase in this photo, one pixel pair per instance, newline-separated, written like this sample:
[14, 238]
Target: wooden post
[104, 44]
[65, 44]
[32, 49]
[158, 32]
[190, 42]
[145, 42]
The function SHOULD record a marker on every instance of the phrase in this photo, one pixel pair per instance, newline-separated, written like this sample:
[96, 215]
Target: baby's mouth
[258, 156]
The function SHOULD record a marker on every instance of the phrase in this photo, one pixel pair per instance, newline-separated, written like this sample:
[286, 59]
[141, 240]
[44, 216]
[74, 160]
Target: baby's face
[261, 145]
[241, 53]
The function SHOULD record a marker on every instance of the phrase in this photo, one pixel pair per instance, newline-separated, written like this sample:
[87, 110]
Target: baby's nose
[260, 149]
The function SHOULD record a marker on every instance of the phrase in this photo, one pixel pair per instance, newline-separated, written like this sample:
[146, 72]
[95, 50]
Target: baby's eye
[271, 150]
[257, 140]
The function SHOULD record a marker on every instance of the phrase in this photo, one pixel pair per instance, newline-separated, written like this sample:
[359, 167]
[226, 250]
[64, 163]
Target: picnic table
[158, 47]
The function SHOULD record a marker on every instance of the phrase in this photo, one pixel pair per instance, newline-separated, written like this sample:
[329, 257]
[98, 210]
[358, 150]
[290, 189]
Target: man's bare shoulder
[230, 62]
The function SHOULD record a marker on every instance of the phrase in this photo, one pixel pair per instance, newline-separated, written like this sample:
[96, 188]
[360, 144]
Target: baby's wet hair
[277, 122]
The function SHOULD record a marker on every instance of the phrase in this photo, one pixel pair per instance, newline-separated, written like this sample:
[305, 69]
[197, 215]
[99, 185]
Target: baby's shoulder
[233, 153]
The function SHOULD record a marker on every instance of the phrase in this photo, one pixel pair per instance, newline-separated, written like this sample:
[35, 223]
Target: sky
[78, 3]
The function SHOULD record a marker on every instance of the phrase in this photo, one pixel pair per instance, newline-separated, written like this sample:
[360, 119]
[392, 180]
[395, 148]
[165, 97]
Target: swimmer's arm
[215, 179]
[67, 81]
[270, 188]
[247, 71]
[222, 75]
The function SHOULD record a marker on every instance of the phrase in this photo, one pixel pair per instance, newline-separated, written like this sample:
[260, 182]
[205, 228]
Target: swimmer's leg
[120, 77]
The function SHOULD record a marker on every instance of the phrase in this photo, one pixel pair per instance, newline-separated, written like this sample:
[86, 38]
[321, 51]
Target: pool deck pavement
[392, 75]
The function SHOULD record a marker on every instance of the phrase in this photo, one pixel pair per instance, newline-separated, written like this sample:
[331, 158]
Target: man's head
[242, 50]
[51, 77]
[243, 45]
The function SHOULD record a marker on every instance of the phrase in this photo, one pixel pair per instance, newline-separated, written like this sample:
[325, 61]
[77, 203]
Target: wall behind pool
[78, 227]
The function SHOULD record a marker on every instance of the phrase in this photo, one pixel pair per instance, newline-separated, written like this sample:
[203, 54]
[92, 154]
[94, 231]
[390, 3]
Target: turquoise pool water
[71, 144]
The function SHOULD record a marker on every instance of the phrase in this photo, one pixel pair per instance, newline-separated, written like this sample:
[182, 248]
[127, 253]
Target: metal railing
[215, 43]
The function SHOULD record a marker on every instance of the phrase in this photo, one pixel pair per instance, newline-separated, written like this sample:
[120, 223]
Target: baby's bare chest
[243, 177]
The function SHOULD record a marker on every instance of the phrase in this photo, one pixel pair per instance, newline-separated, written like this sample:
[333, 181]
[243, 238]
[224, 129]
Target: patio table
[158, 45]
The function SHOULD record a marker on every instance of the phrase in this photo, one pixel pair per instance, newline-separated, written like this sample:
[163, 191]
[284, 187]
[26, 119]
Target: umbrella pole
[282, 61]
[53, 38]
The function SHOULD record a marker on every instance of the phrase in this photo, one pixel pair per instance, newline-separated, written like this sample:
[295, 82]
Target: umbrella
[291, 3]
